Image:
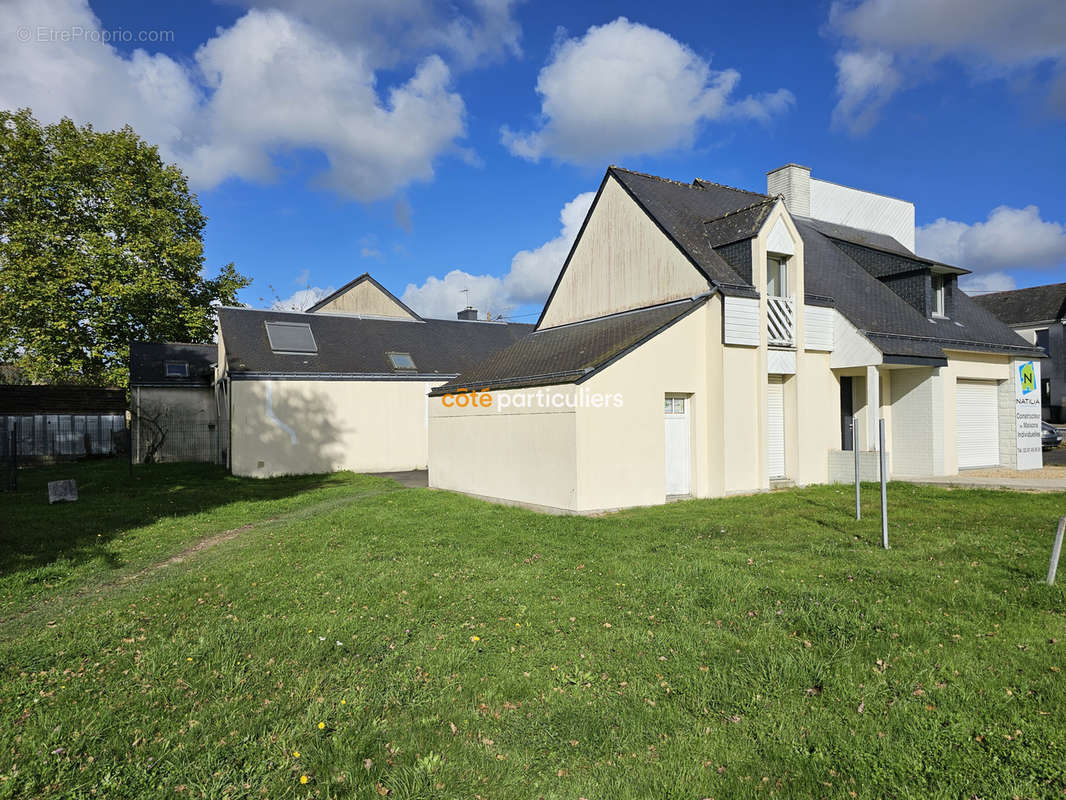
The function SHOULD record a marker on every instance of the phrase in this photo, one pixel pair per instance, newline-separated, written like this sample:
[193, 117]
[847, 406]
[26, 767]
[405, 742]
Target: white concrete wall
[860, 209]
[918, 422]
[306, 427]
[621, 261]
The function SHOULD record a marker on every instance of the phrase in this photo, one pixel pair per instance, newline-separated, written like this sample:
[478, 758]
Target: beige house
[342, 386]
[703, 341]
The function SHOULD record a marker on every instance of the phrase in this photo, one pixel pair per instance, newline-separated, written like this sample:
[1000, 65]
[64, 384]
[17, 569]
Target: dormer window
[939, 296]
[176, 369]
[776, 276]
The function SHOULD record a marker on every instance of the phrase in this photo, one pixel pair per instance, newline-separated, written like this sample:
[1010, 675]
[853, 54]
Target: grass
[417, 644]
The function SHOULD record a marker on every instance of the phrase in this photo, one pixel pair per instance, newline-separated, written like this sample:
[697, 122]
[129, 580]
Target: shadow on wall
[111, 502]
[291, 428]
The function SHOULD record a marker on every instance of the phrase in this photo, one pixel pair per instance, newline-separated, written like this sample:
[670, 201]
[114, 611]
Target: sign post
[855, 448]
[884, 498]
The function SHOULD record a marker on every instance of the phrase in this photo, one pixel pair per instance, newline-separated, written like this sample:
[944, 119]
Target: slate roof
[873, 308]
[351, 347]
[683, 212]
[148, 359]
[1033, 305]
[570, 353]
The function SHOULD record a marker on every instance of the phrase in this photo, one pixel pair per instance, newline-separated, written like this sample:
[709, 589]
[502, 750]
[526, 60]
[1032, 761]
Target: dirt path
[193, 550]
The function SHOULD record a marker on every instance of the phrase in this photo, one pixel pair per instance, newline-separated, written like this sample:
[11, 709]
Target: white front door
[977, 424]
[678, 446]
[775, 427]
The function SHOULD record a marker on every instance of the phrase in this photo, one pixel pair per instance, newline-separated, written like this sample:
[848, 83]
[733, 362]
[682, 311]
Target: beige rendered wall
[365, 298]
[966, 366]
[621, 261]
[524, 454]
[305, 427]
[818, 416]
[621, 451]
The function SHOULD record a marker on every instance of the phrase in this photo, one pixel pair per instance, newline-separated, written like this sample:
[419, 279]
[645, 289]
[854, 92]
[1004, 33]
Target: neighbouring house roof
[148, 362]
[351, 347]
[1033, 305]
[570, 353]
[364, 278]
[16, 400]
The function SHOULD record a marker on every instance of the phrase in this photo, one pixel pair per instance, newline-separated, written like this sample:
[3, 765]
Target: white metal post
[1056, 551]
[855, 448]
[884, 500]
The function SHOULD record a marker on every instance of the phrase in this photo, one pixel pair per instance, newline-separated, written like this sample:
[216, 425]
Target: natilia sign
[1027, 414]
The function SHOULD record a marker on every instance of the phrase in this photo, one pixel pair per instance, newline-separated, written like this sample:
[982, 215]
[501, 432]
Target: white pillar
[873, 406]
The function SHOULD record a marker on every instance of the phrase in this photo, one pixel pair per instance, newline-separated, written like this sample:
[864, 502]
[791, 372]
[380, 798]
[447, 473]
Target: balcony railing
[781, 321]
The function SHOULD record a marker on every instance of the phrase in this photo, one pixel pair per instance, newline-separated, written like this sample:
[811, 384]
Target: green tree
[100, 245]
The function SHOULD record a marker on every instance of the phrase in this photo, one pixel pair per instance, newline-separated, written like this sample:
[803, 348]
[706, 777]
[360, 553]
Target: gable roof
[364, 278]
[896, 327]
[682, 211]
[1032, 305]
[148, 363]
[571, 353]
[351, 347]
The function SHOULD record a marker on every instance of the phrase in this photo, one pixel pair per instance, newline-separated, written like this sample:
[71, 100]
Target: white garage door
[977, 424]
[775, 427]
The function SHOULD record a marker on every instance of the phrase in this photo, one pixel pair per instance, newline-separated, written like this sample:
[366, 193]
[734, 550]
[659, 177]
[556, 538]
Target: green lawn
[419, 644]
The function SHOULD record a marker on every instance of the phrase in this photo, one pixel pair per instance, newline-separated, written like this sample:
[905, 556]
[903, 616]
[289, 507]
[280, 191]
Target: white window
[938, 296]
[291, 337]
[776, 277]
[401, 360]
[675, 405]
[176, 369]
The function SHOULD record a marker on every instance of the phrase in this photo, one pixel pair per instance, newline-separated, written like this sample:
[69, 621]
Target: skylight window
[291, 337]
[401, 360]
[176, 369]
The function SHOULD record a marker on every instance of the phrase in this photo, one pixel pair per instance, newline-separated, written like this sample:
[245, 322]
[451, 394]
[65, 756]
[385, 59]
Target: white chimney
[793, 182]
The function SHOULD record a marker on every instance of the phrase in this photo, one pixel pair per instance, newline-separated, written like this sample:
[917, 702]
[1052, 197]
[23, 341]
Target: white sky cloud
[625, 89]
[302, 299]
[270, 83]
[888, 43]
[1011, 238]
[529, 280]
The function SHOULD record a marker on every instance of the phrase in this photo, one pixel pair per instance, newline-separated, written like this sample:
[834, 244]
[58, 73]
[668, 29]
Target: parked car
[1049, 436]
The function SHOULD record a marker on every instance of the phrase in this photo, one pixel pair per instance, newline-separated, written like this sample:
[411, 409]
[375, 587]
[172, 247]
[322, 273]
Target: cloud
[865, 83]
[625, 89]
[302, 299]
[890, 42]
[983, 284]
[273, 82]
[529, 280]
[1010, 238]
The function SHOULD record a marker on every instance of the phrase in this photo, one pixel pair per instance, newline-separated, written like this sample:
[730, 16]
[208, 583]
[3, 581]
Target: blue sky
[412, 139]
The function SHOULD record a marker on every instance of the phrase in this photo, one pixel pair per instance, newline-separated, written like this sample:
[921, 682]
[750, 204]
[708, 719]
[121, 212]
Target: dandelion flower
[344, 702]
[303, 779]
[321, 725]
[295, 753]
[475, 638]
[518, 624]
[189, 658]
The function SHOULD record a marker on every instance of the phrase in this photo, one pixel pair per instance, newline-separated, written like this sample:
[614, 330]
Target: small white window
[776, 277]
[401, 360]
[176, 369]
[291, 337]
[938, 296]
[675, 405]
